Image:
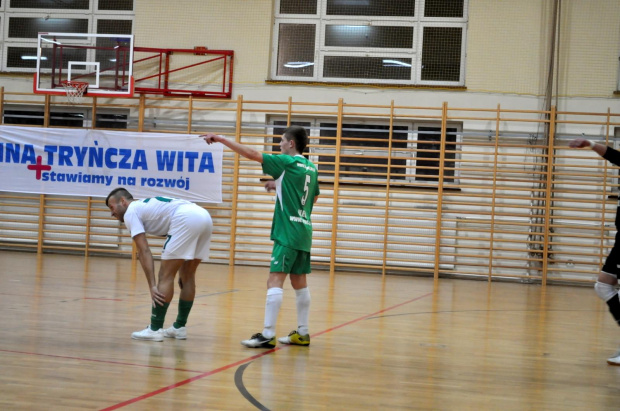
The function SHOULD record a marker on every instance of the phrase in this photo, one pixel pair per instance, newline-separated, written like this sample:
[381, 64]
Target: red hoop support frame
[163, 77]
[91, 93]
[162, 57]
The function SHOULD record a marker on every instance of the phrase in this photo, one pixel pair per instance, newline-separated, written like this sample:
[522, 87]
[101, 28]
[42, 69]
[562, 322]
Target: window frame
[6, 68]
[86, 112]
[463, 19]
[315, 150]
[278, 15]
[274, 51]
[74, 16]
[115, 12]
[5, 55]
[354, 150]
[457, 156]
[370, 81]
[92, 14]
[40, 110]
[97, 17]
[48, 11]
[323, 12]
[383, 23]
[463, 55]
[321, 20]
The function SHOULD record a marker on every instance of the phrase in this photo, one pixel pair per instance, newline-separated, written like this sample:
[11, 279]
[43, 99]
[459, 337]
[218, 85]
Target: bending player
[606, 286]
[187, 228]
[297, 189]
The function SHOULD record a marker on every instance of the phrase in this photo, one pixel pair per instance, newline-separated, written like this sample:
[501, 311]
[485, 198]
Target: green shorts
[289, 261]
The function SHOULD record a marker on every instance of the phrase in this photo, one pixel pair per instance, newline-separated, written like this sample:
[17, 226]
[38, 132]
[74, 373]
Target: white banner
[93, 162]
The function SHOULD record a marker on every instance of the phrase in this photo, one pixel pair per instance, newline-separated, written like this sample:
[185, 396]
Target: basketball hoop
[75, 90]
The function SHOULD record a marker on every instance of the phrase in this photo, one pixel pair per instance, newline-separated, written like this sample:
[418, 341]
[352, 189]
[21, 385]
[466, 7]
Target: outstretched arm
[600, 149]
[245, 151]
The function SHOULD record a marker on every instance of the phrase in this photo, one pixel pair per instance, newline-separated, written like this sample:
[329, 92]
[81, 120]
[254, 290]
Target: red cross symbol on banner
[39, 167]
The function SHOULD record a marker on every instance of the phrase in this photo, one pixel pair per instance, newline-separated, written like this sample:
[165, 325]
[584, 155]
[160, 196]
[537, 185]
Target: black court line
[244, 391]
[253, 357]
[240, 370]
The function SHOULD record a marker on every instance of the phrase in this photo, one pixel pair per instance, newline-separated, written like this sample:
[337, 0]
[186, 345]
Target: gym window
[365, 151]
[22, 20]
[36, 118]
[75, 117]
[404, 42]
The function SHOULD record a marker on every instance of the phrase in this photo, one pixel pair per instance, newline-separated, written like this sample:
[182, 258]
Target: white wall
[507, 53]
[508, 46]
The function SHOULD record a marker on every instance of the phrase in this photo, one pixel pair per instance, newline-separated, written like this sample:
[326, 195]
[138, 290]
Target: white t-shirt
[151, 215]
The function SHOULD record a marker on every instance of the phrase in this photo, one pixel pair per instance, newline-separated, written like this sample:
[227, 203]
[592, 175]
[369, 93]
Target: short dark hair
[299, 135]
[117, 193]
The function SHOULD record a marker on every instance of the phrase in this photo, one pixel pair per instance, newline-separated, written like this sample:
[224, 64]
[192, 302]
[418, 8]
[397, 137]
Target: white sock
[272, 308]
[303, 309]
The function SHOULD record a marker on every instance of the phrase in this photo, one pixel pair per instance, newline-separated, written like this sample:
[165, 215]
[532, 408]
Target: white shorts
[189, 236]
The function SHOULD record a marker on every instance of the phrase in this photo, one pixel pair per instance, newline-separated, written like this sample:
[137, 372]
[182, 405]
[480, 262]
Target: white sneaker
[294, 338]
[148, 335]
[178, 333]
[615, 359]
[258, 341]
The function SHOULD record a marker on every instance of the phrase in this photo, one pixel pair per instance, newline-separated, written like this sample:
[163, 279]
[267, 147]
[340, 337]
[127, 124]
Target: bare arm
[146, 261]
[238, 148]
[599, 149]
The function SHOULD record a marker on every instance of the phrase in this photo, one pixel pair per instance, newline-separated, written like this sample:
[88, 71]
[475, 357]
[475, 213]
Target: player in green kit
[297, 189]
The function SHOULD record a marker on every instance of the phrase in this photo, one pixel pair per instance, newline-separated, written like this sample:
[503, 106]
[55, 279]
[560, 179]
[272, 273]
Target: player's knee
[605, 291]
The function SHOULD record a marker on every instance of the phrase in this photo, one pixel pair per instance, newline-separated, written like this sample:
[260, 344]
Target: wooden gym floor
[403, 343]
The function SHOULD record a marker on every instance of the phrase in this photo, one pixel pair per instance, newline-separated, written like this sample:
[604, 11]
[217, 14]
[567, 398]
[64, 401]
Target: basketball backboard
[104, 61]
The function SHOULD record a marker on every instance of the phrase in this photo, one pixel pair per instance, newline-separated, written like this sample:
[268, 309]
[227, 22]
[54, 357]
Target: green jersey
[296, 188]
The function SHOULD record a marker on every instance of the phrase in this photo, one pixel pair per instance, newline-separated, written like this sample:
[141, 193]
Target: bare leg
[276, 280]
[187, 276]
[165, 285]
[603, 277]
[298, 281]
[167, 271]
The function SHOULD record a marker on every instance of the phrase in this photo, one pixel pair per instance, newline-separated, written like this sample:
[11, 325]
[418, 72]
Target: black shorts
[613, 259]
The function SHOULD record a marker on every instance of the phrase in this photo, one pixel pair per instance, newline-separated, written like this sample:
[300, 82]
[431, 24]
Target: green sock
[158, 315]
[184, 308]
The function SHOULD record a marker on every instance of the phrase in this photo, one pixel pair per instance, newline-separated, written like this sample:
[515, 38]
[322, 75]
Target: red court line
[240, 362]
[370, 315]
[101, 361]
[57, 296]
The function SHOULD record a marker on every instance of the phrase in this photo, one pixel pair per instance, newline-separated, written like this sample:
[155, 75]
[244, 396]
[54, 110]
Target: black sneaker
[258, 341]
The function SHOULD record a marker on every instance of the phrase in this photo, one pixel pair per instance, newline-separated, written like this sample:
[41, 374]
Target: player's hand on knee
[157, 297]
